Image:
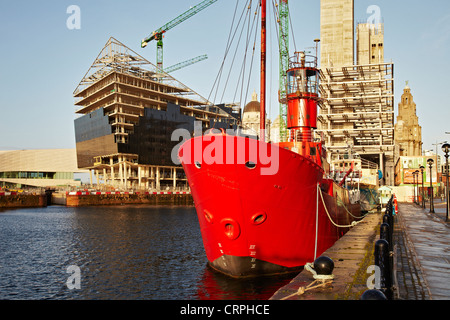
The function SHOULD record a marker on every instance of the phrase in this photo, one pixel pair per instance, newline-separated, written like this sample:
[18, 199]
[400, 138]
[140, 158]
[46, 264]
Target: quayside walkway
[423, 265]
[421, 259]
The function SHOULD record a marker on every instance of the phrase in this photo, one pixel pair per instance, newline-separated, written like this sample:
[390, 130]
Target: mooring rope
[321, 280]
[354, 223]
[345, 207]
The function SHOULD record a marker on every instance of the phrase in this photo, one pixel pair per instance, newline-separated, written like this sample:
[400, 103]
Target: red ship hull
[255, 222]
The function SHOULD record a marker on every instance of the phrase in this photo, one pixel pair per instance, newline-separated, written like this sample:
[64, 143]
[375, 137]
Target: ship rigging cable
[242, 37]
[231, 36]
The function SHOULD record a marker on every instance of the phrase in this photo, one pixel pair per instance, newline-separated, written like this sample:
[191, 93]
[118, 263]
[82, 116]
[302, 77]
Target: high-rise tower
[369, 43]
[357, 106]
[336, 33]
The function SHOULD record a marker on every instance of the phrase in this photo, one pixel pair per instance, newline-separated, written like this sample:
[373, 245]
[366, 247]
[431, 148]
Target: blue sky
[42, 61]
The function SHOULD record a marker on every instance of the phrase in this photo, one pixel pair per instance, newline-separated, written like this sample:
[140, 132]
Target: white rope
[321, 280]
[310, 268]
[317, 222]
[354, 223]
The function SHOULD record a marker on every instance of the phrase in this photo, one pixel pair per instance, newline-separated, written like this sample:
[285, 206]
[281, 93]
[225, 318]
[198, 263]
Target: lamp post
[446, 150]
[417, 184]
[430, 164]
[438, 144]
[423, 195]
[414, 184]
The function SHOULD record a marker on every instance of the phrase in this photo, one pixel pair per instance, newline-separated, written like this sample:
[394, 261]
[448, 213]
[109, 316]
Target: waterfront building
[128, 111]
[408, 186]
[356, 112]
[408, 132]
[406, 165]
[38, 168]
[251, 116]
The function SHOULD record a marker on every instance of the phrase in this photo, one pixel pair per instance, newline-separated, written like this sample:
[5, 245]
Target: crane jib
[192, 11]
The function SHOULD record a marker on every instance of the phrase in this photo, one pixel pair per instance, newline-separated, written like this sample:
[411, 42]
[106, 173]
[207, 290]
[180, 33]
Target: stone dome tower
[251, 116]
[408, 132]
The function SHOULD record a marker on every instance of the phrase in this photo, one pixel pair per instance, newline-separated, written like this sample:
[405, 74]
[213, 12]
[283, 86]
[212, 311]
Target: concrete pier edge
[352, 255]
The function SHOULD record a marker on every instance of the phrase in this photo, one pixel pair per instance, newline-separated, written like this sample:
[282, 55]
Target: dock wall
[20, 200]
[117, 198]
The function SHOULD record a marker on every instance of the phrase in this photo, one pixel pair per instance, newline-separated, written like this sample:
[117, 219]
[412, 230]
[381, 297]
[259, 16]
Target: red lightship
[268, 208]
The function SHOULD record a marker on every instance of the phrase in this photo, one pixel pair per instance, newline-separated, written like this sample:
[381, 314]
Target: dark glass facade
[92, 125]
[150, 139]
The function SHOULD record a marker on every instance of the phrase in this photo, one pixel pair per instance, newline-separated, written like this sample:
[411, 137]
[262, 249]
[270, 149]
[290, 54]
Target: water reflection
[217, 286]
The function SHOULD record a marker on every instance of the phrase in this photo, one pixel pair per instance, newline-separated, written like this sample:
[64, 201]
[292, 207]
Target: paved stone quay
[421, 259]
[352, 255]
[423, 264]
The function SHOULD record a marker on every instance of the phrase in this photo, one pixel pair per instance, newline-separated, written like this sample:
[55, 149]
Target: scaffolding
[357, 112]
[116, 57]
[123, 101]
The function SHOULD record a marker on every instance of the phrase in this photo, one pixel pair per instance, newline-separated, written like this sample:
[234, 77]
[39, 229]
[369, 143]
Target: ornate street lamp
[423, 195]
[430, 164]
[446, 150]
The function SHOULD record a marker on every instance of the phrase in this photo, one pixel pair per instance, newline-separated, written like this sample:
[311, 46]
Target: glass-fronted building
[128, 111]
[38, 168]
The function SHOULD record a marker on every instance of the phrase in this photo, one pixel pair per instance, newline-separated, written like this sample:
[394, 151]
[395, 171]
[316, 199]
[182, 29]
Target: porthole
[198, 165]
[250, 165]
[231, 229]
[208, 216]
[259, 218]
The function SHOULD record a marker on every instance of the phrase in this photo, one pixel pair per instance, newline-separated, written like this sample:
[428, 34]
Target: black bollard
[387, 219]
[385, 232]
[388, 208]
[323, 265]
[383, 261]
[373, 294]
[391, 224]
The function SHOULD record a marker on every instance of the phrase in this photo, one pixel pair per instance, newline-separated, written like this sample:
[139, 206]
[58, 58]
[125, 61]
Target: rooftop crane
[186, 63]
[158, 34]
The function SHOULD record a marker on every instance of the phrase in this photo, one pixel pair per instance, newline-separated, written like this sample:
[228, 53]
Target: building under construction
[358, 112]
[357, 109]
[129, 109]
